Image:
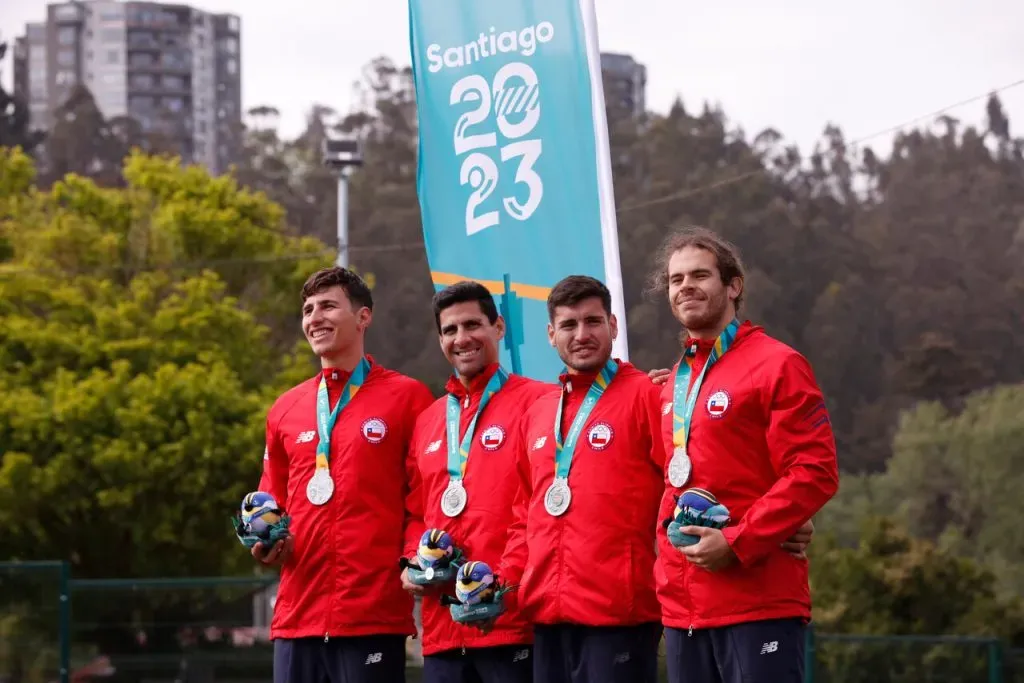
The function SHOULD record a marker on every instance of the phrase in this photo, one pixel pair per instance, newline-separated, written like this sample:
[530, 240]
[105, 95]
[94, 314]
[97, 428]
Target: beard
[594, 361]
[706, 317]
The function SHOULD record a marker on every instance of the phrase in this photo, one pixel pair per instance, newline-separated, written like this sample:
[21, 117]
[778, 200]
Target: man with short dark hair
[582, 548]
[745, 426]
[337, 462]
[464, 445]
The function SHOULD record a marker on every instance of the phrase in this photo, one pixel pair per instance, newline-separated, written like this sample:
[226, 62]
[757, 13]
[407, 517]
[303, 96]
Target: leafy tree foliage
[953, 479]
[892, 583]
[137, 337]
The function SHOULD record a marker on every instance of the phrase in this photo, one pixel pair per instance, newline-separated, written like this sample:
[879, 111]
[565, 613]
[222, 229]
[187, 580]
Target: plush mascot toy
[478, 594]
[695, 507]
[260, 520]
[437, 559]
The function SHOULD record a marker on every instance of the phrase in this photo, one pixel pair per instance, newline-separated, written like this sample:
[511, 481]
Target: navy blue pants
[356, 659]
[499, 664]
[572, 653]
[756, 652]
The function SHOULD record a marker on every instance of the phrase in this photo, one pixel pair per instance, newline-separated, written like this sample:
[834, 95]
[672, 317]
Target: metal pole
[995, 661]
[64, 637]
[810, 654]
[343, 218]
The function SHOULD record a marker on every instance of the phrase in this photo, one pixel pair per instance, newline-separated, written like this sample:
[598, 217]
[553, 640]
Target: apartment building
[626, 83]
[174, 69]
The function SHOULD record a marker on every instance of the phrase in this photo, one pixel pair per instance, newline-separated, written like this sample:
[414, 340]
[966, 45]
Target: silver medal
[429, 573]
[679, 467]
[557, 498]
[321, 487]
[453, 500]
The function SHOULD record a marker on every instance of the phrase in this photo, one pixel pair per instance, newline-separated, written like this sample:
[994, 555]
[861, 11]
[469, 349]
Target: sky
[866, 66]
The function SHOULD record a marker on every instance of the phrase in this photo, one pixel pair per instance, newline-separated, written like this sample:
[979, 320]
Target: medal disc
[679, 467]
[321, 487]
[453, 501]
[557, 498]
[429, 573]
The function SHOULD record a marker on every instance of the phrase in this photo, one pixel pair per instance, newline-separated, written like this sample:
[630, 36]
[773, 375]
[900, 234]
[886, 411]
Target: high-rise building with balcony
[172, 68]
[626, 83]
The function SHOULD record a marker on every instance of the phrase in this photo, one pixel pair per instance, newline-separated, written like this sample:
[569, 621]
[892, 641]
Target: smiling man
[337, 461]
[743, 419]
[590, 477]
[464, 445]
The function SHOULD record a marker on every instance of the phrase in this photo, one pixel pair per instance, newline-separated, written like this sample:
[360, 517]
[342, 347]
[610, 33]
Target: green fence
[214, 630]
[34, 622]
[910, 659]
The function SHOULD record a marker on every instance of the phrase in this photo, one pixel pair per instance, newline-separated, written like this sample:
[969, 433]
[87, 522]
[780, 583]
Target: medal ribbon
[458, 453]
[325, 417]
[680, 397]
[564, 451]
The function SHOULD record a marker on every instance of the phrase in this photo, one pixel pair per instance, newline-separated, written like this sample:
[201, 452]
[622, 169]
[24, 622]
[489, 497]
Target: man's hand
[659, 376]
[278, 553]
[712, 552]
[409, 586]
[485, 626]
[796, 545]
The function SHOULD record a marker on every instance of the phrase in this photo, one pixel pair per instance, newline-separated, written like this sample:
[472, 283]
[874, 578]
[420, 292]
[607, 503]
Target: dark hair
[573, 289]
[727, 257]
[462, 292]
[335, 276]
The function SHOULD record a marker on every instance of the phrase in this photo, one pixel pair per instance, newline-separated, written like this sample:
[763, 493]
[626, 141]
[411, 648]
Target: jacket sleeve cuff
[747, 549]
[412, 540]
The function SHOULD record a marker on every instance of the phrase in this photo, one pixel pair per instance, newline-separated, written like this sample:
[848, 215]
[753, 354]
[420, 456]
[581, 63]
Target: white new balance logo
[306, 437]
[373, 658]
[768, 648]
[539, 443]
[520, 655]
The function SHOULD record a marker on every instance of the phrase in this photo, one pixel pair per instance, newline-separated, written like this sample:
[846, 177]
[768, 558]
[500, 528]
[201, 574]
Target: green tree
[144, 332]
[139, 361]
[952, 479]
[891, 583]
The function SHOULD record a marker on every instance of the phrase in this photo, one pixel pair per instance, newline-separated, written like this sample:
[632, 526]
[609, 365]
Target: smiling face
[468, 339]
[583, 333]
[333, 326]
[699, 299]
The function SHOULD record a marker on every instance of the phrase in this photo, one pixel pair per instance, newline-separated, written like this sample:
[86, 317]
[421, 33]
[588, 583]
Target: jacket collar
[456, 388]
[701, 347]
[581, 381]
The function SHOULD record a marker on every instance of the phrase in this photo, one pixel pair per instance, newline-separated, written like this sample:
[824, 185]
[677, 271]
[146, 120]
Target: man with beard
[464, 447]
[336, 461]
[745, 424]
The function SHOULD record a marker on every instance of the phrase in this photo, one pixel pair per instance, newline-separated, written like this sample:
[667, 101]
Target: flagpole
[513, 326]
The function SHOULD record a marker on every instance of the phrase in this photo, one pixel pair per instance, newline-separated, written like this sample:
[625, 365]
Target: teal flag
[514, 178]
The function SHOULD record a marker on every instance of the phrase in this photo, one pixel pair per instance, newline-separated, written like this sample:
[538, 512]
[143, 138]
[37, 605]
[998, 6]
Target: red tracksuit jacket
[343, 578]
[762, 443]
[481, 530]
[593, 565]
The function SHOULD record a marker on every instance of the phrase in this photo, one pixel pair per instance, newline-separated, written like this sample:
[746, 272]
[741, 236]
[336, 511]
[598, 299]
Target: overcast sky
[865, 65]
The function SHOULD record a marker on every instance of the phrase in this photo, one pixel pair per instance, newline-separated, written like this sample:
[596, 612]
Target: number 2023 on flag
[514, 94]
